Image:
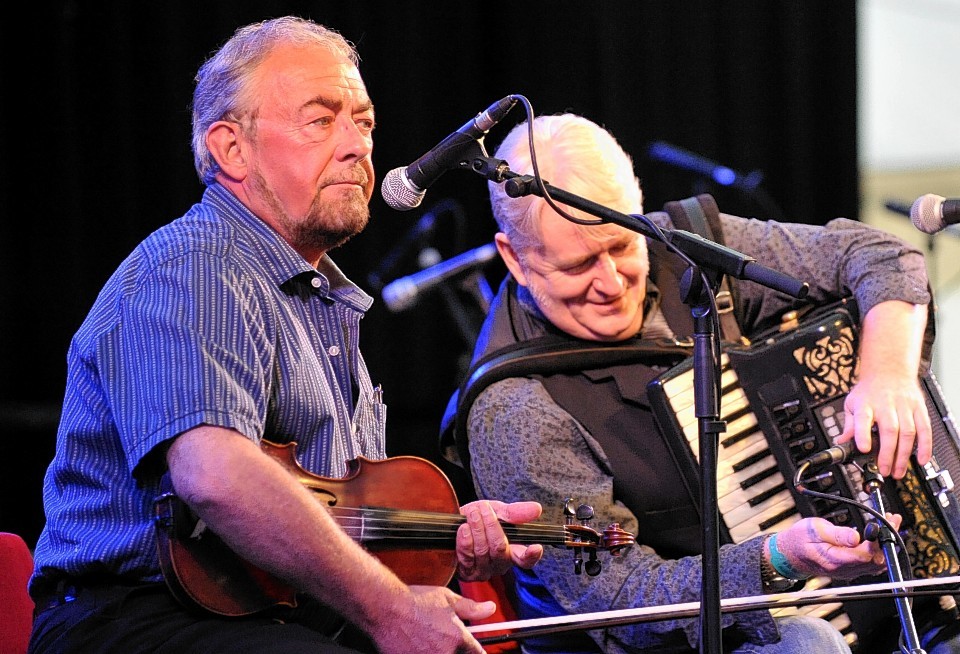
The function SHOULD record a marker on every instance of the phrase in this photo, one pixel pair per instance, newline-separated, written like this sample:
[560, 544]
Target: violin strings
[379, 523]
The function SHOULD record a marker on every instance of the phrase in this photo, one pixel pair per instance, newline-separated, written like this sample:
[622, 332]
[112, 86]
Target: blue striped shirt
[213, 319]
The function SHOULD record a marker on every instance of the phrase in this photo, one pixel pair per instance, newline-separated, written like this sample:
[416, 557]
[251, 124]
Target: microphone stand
[718, 260]
[872, 485]
[478, 290]
[706, 389]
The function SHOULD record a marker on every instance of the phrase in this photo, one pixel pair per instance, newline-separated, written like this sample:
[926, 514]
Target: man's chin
[340, 193]
[325, 236]
[614, 331]
[612, 338]
[334, 239]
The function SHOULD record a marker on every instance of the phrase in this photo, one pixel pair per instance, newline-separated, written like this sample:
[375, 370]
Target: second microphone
[403, 293]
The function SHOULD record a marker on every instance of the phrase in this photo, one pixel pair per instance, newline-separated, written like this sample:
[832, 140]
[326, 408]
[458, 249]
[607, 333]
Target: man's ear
[510, 258]
[226, 144]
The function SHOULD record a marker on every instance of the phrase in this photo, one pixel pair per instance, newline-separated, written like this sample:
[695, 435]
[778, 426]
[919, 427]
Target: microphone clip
[493, 169]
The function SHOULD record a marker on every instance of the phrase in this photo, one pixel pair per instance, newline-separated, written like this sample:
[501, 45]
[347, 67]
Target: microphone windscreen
[926, 213]
[398, 192]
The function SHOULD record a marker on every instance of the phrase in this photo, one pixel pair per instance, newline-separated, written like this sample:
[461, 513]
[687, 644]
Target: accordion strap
[701, 216]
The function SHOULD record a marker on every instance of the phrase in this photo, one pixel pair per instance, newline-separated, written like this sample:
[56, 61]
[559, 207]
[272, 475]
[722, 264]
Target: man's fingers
[518, 512]
[526, 556]
[921, 421]
[468, 609]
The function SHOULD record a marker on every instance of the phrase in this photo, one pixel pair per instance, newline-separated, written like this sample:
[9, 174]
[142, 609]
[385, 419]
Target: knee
[808, 634]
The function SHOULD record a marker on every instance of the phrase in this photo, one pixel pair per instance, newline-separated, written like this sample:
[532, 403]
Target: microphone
[417, 234]
[896, 206]
[686, 160]
[932, 213]
[843, 453]
[403, 188]
[422, 229]
[403, 293]
[836, 454]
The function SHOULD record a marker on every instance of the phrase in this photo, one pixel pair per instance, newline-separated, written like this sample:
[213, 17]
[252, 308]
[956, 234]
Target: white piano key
[750, 528]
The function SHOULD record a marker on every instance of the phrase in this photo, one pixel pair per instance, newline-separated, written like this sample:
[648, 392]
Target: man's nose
[608, 279]
[355, 143]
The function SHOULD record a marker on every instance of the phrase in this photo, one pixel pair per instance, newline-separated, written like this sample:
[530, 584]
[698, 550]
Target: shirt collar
[290, 271]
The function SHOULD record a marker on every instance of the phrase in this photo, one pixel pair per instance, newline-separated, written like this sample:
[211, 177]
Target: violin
[412, 533]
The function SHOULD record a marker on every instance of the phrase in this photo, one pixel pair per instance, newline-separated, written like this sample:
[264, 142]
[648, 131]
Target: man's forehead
[602, 234]
[344, 84]
[305, 65]
[342, 73]
[581, 242]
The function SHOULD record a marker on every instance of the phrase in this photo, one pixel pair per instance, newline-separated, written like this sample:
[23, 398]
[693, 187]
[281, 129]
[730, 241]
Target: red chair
[500, 590]
[16, 565]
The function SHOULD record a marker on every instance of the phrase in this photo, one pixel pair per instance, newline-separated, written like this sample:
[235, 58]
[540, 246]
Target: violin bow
[518, 629]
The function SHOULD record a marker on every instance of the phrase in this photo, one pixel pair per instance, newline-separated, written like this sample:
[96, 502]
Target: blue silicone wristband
[780, 563]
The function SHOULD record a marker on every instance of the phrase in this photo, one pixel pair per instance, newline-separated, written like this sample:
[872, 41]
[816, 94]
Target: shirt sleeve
[191, 347]
[842, 258]
[525, 447]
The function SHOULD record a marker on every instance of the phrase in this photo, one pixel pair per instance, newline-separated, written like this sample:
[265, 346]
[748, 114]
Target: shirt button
[333, 350]
[315, 282]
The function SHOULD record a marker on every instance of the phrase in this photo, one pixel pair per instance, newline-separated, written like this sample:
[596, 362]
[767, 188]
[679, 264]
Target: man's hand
[897, 407]
[483, 550]
[888, 391]
[429, 619]
[816, 546]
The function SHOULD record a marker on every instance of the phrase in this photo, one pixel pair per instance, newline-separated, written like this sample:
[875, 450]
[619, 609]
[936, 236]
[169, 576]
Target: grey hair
[222, 83]
[573, 153]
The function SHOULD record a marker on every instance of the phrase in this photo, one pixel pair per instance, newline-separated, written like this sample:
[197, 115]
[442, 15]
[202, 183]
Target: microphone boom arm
[703, 252]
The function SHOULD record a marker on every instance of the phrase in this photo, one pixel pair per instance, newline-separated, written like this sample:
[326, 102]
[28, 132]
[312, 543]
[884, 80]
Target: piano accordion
[782, 400]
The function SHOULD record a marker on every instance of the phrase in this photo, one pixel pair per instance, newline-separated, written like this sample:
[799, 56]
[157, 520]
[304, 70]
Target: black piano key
[783, 515]
[762, 497]
[750, 460]
[757, 478]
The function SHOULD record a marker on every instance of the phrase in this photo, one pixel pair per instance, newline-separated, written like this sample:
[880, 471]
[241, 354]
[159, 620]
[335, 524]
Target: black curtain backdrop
[94, 153]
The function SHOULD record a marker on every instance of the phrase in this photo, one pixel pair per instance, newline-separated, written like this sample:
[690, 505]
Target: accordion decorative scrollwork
[929, 549]
[830, 364]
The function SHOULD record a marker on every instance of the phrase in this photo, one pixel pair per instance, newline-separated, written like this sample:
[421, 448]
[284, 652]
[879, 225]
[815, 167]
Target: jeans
[142, 619]
[801, 635]
[942, 640]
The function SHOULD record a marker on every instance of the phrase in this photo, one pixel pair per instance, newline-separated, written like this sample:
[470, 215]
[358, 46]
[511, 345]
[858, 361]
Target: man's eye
[579, 267]
[324, 121]
[366, 124]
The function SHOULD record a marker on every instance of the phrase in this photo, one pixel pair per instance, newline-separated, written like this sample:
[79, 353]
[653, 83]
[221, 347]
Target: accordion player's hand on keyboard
[888, 395]
[892, 409]
[815, 546]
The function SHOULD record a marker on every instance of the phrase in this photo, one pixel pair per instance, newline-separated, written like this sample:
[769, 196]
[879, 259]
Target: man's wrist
[780, 562]
[776, 573]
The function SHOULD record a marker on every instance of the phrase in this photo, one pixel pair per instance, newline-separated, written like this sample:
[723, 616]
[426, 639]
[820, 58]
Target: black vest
[651, 477]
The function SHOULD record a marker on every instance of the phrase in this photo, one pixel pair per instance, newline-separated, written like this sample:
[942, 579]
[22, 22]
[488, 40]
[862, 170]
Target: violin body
[203, 572]
[403, 510]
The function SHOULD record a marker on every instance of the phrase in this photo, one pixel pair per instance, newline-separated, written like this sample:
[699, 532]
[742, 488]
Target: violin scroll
[616, 539]
[583, 537]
